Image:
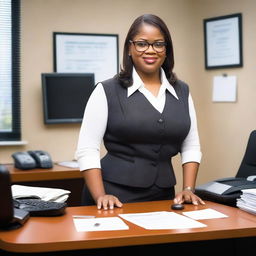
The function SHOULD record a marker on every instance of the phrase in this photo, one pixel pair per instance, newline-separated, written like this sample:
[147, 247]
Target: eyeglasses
[142, 46]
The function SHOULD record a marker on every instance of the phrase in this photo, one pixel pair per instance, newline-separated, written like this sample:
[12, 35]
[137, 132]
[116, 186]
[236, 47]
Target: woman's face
[148, 62]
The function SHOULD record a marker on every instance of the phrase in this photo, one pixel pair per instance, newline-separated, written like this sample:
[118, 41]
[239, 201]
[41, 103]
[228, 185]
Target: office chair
[248, 164]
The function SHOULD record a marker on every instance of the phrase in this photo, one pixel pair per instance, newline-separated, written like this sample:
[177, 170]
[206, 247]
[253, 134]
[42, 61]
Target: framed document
[86, 53]
[223, 41]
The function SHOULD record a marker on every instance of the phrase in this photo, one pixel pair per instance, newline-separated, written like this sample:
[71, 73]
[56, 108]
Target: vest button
[160, 120]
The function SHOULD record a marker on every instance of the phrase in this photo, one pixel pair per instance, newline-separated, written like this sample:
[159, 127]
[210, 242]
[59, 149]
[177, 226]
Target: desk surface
[59, 233]
[56, 173]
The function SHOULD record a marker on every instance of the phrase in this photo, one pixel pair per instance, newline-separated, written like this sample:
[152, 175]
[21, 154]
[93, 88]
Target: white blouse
[95, 122]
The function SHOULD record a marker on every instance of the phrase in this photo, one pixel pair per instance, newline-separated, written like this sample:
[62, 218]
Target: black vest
[140, 140]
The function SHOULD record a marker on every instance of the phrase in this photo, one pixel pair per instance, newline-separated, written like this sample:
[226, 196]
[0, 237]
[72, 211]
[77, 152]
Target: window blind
[9, 70]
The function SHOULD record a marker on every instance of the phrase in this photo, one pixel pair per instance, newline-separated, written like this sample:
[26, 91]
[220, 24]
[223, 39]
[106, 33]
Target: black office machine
[227, 190]
[224, 191]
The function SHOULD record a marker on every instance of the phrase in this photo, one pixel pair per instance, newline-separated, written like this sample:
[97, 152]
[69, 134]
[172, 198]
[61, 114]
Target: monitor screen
[65, 96]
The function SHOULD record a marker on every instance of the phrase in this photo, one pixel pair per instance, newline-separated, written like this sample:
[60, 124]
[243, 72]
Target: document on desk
[161, 220]
[205, 214]
[99, 224]
[70, 164]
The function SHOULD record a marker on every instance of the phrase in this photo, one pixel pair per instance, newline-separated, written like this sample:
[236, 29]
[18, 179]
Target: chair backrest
[248, 164]
[6, 202]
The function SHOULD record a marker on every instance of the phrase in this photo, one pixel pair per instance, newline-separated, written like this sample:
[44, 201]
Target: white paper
[246, 206]
[70, 164]
[247, 200]
[223, 42]
[224, 89]
[99, 224]
[251, 191]
[205, 214]
[161, 220]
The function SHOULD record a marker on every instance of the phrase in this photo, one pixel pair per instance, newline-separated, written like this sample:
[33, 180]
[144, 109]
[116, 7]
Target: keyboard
[38, 207]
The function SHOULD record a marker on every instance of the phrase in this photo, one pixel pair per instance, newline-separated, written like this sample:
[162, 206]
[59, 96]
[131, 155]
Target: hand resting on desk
[108, 202]
[187, 196]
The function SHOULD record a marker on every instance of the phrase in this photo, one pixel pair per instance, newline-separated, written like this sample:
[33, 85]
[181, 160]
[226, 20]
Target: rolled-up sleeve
[92, 130]
[191, 150]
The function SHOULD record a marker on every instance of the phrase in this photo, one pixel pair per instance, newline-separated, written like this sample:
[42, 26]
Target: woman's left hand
[187, 196]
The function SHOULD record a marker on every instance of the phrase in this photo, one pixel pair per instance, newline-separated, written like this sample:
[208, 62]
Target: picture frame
[86, 53]
[223, 41]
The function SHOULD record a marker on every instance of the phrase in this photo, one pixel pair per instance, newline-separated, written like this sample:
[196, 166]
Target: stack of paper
[247, 201]
[46, 194]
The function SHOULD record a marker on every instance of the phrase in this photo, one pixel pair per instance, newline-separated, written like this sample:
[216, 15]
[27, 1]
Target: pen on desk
[83, 216]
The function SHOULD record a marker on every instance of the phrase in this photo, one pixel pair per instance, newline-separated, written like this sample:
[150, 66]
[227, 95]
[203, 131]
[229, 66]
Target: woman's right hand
[108, 202]
[94, 182]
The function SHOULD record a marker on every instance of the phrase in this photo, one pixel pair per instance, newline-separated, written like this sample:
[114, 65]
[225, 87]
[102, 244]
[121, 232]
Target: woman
[145, 116]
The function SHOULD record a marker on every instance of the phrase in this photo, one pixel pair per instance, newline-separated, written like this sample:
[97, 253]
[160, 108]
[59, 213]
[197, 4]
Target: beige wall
[223, 127]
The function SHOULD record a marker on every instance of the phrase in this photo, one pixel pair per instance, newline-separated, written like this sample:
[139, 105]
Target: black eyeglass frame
[149, 44]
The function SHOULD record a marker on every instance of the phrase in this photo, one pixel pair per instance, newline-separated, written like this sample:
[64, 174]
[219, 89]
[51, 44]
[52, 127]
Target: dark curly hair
[125, 75]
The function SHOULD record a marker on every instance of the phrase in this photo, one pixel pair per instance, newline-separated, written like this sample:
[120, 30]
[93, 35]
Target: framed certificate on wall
[223, 41]
[86, 53]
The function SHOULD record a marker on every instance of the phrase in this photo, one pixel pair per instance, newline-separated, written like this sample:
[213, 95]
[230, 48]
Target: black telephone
[32, 159]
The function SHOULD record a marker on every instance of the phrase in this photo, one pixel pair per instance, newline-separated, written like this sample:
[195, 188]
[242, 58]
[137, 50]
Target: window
[10, 70]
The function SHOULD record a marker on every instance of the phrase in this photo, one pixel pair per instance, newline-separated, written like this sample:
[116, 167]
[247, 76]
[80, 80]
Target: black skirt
[127, 194]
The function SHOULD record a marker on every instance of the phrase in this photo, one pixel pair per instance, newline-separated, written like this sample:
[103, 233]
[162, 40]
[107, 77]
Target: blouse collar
[138, 84]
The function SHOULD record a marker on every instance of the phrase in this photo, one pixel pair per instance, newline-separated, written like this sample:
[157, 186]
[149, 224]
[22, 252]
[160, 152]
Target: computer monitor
[6, 204]
[65, 96]
[10, 217]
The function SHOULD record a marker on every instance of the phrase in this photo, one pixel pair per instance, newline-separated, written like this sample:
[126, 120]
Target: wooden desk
[44, 234]
[56, 173]
[57, 177]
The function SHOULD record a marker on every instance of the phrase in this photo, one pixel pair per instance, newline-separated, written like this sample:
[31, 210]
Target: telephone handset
[32, 159]
[42, 158]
